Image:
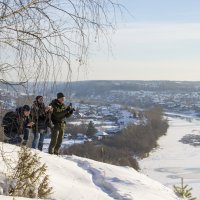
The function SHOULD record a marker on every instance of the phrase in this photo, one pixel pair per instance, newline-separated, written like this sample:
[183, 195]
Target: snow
[11, 198]
[101, 133]
[173, 159]
[75, 178]
[110, 127]
[66, 143]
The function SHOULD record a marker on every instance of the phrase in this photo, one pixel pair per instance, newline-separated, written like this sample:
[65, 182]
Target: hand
[68, 108]
[71, 111]
[30, 124]
[48, 108]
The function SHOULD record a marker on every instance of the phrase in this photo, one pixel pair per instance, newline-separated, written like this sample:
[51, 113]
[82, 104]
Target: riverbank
[135, 141]
[173, 159]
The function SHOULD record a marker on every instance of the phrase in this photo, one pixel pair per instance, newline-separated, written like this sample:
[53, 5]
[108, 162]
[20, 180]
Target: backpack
[9, 124]
[8, 118]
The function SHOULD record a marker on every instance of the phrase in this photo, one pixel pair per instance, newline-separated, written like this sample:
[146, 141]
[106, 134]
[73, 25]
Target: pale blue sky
[160, 42]
[164, 10]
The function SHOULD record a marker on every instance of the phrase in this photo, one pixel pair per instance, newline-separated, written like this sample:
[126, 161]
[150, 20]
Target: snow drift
[75, 178]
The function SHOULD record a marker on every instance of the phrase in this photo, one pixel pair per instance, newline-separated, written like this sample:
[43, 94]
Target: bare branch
[45, 39]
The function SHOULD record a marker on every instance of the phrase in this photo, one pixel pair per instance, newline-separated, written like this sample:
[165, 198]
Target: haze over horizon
[154, 40]
[160, 42]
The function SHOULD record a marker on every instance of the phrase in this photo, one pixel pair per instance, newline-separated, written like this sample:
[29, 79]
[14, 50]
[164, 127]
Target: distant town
[112, 105]
[176, 97]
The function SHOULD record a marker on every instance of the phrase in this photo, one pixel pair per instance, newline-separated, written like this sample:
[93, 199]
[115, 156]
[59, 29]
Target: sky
[159, 40]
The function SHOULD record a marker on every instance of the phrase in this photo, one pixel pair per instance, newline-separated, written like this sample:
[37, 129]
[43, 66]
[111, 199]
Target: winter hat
[60, 95]
[26, 108]
[38, 97]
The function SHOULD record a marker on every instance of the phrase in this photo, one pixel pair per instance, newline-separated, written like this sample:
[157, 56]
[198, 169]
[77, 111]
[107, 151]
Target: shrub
[184, 192]
[103, 153]
[74, 129]
[29, 177]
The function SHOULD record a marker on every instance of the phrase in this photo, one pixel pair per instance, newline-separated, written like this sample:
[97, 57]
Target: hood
[19, 110]
[35, 103]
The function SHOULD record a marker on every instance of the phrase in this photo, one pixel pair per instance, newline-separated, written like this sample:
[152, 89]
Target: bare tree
[39, 39]
[42, 40]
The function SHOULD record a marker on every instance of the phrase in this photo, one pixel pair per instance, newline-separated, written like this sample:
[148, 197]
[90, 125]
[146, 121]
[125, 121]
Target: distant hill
[87, 88]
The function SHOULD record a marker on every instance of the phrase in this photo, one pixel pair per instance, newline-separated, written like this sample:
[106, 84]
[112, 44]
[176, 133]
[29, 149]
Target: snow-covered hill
[75, 178]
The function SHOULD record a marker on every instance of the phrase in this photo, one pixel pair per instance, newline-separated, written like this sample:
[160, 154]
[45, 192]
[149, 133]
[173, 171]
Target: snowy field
[75, 178]
[65, 144]
[173, 159]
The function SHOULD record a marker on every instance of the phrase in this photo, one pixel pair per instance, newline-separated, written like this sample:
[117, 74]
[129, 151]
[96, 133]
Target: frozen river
[173, 159]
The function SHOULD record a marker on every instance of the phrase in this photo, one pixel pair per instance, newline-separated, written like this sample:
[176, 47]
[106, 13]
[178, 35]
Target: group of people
[38, 117]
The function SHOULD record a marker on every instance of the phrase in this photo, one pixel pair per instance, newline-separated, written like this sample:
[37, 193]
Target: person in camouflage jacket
[41, 118]
[17, 123]
[60, 112]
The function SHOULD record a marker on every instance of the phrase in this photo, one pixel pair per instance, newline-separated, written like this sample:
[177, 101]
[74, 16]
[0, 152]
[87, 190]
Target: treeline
[102, 153]
[140, 140]
[122, 149]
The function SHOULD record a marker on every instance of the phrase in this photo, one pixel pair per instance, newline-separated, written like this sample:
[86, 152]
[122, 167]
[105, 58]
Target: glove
[71, 111]
[68, 108]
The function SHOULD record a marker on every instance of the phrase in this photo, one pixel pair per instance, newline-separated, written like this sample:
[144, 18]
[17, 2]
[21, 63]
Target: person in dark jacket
[60, 112]
[16, 124]
[40, 116]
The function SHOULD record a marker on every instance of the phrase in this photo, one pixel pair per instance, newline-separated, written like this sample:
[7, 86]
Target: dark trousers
[16, 139]
[57, 134]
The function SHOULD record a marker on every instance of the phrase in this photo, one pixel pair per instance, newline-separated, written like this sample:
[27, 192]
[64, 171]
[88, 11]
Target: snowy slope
[75, 178]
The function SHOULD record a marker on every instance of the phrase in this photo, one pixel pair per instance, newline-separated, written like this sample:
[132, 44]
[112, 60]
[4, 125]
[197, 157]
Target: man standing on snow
[40, 117]
[60, 112]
